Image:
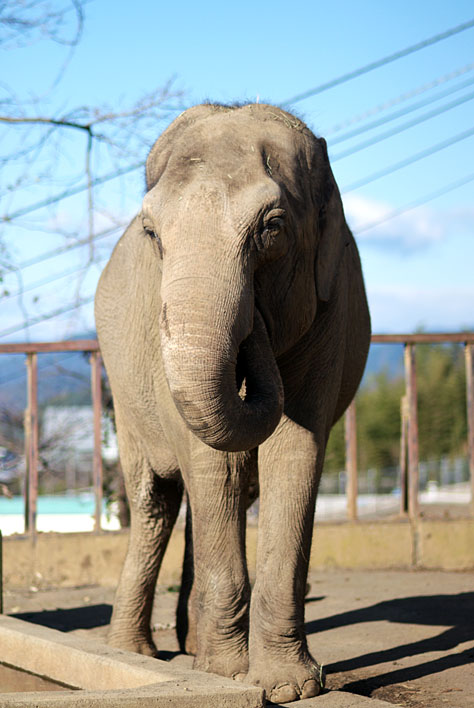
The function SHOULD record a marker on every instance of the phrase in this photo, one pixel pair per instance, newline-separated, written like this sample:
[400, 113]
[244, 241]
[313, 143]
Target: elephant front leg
[278, 653]
[221, 590]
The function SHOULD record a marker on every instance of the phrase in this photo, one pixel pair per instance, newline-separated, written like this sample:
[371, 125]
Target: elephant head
[248, 232]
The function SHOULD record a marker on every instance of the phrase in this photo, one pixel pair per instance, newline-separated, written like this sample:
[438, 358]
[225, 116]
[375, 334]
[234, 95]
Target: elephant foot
[287, 682]
[139, 645]
[231, 665]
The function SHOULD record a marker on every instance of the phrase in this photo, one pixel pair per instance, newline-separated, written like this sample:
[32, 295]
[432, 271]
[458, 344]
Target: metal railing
[31, 419]
[409, 451]
[409, 457]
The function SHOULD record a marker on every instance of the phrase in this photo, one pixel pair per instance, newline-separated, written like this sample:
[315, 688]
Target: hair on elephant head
[231, 316]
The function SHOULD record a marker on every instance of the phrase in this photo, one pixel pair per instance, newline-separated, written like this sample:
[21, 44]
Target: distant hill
[384, 357]
[61, 376]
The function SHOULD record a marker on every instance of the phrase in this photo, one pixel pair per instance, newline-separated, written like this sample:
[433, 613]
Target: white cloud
[412, 230]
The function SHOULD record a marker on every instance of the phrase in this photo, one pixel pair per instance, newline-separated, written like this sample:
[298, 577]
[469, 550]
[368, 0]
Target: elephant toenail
[310, 688]
[239, 676]
[285, 693]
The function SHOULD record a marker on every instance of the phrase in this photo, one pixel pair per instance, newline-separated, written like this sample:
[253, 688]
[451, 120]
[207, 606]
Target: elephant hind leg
[154, 506]
[152, 520]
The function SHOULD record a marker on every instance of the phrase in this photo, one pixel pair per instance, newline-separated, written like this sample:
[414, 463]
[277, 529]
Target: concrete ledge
[340, 699]
[448, 545]
[72, 559]
[108, 676]
[68, 560]
[362, 545]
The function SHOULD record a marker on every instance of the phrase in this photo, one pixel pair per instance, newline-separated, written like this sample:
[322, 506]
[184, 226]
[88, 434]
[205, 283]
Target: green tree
[441, 401]
[378, 426]
[441, 413]
[378, 410]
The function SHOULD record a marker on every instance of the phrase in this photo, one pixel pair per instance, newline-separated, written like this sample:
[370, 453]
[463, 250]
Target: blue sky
[418, 267]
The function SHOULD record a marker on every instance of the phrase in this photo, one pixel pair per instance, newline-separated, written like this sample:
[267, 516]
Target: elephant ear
[334, 234]
[160, 152]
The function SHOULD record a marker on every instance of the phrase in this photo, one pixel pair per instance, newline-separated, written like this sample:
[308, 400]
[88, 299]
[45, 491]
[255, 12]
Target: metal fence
[409, 476]
[31, 419]
[409, 450]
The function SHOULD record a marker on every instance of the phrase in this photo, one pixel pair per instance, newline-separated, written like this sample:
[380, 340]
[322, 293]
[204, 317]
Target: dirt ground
[403, 637]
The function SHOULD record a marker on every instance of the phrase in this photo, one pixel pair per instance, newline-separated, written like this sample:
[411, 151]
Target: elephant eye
[268, 240]
[150, 231]
[273, 223]
[148, 226]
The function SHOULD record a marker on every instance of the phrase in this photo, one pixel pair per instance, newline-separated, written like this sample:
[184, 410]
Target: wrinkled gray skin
[239, 268]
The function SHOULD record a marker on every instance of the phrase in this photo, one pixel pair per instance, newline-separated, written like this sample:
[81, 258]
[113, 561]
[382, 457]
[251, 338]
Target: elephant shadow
[455, 611]
[70, 619]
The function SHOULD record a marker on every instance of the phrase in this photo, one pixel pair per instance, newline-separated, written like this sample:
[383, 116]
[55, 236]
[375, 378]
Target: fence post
[96, 370]
[403, 456]
[31, 444]
[469, 353]
[413, 457]
[351, 460]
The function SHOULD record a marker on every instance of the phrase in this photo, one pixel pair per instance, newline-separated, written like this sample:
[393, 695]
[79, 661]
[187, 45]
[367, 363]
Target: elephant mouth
[240, 372]
[249, 363]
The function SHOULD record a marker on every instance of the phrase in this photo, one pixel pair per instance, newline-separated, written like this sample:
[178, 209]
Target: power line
[391, 215]
[377, 64]
[403, 112]
[70, 192]
[408, 161]
[418, 202]
[47, 281]
[402, 127]
[64, 249]
[399, 99]
[48, 316]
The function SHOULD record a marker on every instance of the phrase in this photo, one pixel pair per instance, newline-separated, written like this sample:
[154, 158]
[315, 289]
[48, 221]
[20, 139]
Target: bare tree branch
[49, 121]
[24, 22]
[49, 162]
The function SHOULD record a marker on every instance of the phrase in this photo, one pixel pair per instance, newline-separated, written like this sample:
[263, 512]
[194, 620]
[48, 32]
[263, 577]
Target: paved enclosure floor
[403, 637]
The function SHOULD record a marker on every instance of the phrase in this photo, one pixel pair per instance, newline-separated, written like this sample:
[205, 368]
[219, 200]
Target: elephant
[234, 328]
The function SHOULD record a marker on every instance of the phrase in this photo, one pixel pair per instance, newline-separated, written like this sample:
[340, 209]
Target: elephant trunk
[209, 348]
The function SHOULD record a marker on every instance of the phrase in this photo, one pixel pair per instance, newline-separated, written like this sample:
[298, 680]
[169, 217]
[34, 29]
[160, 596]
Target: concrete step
[338, 699]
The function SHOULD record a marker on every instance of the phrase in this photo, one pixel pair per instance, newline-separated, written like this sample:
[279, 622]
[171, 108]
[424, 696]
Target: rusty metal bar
[96, 371]
[31, 447]
[351, 460]
[26, 490]
[413, 456]
[92, 345]
[423, 338]
[403, 456]
[469, 353]
[76, 345]
[1, 574]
